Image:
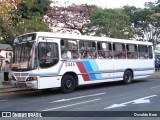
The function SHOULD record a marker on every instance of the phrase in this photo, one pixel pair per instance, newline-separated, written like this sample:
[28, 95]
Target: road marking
[155, 87]
[137, 101]
[62, 100]
[72, 104]
[3, 100]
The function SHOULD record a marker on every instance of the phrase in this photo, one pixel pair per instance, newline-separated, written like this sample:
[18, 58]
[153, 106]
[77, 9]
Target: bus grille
[21, 74]
[24, 74]
[17, 74]
[21, 78]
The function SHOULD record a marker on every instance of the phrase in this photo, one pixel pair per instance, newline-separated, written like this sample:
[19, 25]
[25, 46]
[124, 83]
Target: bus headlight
[31, 78]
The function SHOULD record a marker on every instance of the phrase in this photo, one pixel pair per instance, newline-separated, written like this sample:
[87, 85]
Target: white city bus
[47, 60]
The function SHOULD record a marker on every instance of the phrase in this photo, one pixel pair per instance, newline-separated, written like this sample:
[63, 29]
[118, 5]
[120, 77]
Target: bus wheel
[127, 77]
[67, 84]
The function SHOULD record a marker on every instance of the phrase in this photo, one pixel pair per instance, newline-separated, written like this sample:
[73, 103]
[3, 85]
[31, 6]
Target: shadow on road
[108, 85]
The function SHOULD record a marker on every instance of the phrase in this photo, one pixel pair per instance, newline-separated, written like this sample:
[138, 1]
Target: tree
[30, 16]
[110, 23]
[154, 35]
[72, 17]
[6, 6]
[24, 16]
[129, 11]
[146, 21]
[149, 4]
[152, 4]
[5, 18]
[141, 23]
[34, 24]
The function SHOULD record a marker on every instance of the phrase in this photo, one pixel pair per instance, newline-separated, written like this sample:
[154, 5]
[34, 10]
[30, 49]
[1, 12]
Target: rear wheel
[68, 84]
[127, 77]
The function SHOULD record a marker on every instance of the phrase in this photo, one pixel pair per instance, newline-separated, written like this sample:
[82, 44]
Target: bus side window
[87, 49]
[132, 51]
[104, 50]
[143, 51]
[119, 51]
[69, 49]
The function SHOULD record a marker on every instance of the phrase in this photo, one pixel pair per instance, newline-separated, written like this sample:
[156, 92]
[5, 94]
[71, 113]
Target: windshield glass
[24, 56]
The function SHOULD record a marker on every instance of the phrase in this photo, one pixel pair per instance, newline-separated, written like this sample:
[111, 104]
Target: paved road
[141, 95]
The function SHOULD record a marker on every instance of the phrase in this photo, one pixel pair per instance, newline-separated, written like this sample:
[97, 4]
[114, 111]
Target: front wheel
[127, 77]
[67, 84]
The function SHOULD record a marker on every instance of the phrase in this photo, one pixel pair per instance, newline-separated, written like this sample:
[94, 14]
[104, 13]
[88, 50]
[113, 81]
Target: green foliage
[146, 22]
[34, 24]
[129, 11]
[155, 17]
[110, 23]
[38, 8]
[28, 17]
[141, 17]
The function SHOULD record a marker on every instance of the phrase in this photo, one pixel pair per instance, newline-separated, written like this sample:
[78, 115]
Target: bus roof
[84, 37]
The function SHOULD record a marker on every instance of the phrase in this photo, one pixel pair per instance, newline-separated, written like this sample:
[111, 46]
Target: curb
[157, 74]
[3, 88]
[8, 88]
[6, 85]
[17, 90]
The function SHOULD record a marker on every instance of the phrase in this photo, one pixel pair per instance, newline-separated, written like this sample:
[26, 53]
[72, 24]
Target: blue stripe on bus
[89, 69]
[95, 69]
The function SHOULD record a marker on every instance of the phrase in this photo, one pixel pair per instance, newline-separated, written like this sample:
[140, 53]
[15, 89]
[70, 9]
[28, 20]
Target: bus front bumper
[25, 84]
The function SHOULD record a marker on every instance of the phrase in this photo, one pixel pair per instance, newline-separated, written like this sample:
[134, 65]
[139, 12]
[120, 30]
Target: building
[5, 53]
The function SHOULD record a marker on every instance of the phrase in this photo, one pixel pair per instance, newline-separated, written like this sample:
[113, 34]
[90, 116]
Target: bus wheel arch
[69, 82]
[128, 76]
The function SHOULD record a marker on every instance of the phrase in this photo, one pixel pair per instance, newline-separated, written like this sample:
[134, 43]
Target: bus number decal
[69, 64]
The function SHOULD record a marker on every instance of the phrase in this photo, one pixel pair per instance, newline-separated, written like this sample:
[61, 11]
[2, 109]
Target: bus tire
[68, 84]
[127, 77]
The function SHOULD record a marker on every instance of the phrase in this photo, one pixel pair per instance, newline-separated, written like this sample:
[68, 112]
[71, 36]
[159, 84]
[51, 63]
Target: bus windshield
[24, 57]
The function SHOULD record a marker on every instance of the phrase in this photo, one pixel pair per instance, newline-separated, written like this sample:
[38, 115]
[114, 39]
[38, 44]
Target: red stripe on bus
[83, 70]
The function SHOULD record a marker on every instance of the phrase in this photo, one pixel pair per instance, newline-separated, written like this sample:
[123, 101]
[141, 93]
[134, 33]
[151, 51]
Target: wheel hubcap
[128, 77]
[68, 84]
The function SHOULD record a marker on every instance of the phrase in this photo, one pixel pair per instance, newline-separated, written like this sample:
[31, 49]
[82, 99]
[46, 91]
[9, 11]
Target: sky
[112, 3]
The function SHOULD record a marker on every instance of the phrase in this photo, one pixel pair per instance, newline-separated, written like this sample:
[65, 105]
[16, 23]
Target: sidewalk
[2, 83]
[5, 86]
